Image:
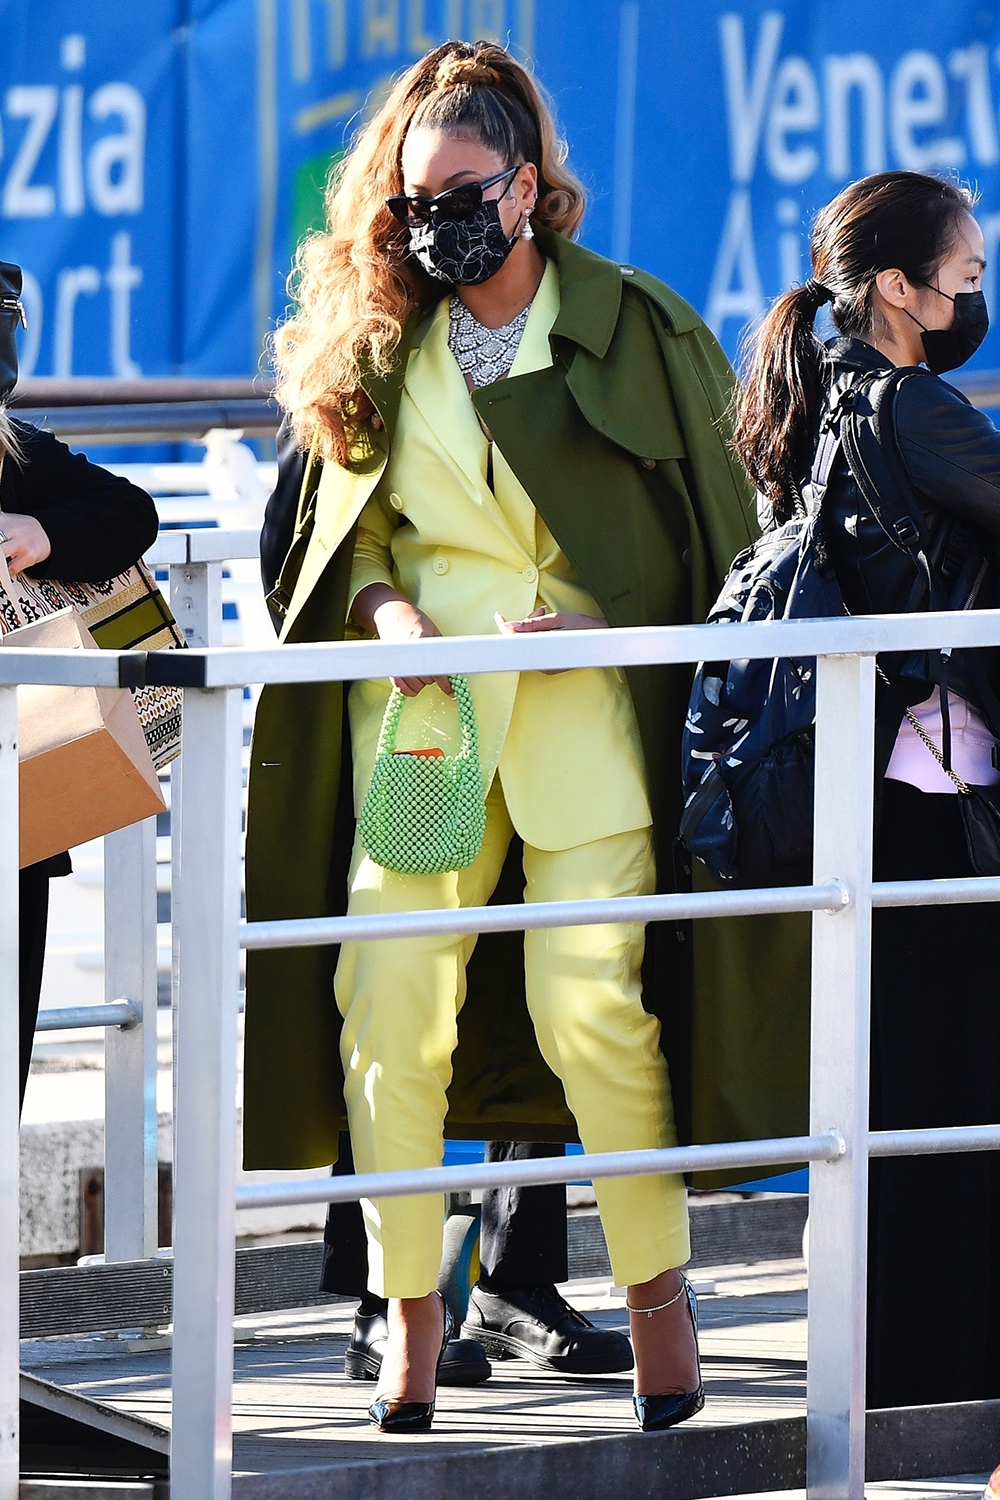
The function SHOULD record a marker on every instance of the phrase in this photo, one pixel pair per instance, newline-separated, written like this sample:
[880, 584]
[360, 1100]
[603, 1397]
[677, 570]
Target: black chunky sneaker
[463, 1362]
[536, 1323]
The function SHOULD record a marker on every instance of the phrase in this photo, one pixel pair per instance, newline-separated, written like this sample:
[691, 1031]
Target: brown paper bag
[85, 767]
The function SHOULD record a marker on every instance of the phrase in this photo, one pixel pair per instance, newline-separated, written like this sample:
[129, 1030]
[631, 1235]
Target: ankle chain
[649, 1311]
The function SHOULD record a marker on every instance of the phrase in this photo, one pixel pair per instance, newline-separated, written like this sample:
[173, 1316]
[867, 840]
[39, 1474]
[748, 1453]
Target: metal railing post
[130, 1119]
[9, 1092]
[838, 1192]
[196, 601]
[205, 1065]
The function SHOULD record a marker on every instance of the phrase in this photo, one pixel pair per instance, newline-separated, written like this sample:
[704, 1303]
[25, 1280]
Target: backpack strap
[876, 465]
[822, 467]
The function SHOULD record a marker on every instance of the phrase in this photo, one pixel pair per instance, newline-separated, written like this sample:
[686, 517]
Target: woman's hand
[541, 619]
[25, 542]
[393, 618]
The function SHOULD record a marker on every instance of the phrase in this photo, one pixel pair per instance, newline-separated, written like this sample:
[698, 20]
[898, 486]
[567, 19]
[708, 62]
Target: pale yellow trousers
[400, 1000]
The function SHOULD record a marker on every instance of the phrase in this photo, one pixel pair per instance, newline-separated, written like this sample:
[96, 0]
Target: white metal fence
[209, 934]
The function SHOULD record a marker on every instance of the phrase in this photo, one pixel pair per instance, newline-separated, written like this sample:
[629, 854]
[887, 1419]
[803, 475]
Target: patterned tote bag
[126, 613]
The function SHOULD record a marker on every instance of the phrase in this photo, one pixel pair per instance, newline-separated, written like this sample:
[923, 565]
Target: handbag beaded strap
[466, 718]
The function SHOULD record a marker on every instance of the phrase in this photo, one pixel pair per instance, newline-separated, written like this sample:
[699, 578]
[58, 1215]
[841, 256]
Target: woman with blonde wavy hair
[489, 429]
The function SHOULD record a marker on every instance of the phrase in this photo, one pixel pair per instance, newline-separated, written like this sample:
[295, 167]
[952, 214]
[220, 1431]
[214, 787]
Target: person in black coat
[523, 1250]
[899, 257]
[60, 517]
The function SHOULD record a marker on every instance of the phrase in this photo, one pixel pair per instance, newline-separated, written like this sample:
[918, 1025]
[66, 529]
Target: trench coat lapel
[343, 489]
[437, 388]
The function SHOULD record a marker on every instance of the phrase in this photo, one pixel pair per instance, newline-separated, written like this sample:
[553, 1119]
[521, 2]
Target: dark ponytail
[904, 221]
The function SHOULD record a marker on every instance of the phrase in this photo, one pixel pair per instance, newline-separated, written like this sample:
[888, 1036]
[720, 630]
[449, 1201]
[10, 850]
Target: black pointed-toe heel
[656, 1413]
[390, 1414]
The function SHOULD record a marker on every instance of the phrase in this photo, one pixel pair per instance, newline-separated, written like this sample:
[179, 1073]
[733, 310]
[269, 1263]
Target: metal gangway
[209, 936]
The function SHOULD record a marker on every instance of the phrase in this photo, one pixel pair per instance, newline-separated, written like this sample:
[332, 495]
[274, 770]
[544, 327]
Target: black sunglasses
[455, 203]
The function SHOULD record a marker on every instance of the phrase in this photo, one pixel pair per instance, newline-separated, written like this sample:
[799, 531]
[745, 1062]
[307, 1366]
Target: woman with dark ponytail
[899, 258]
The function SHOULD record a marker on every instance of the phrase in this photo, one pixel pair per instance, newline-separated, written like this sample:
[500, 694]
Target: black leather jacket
[951, 452]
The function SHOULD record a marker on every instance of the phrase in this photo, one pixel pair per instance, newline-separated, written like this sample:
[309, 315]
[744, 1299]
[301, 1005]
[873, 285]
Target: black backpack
[748, 744]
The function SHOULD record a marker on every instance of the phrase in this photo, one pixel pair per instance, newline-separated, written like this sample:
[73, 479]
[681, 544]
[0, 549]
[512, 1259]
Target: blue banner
[161, 160]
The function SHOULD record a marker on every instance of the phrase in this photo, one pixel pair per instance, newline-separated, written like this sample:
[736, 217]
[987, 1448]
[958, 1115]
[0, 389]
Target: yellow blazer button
[440, 565]
[395, 501]
[530, 574]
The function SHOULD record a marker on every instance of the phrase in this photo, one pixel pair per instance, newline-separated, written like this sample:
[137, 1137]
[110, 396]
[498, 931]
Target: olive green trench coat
[621, 446]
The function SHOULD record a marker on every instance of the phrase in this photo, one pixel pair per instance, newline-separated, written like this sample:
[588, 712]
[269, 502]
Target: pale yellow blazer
[567, 747]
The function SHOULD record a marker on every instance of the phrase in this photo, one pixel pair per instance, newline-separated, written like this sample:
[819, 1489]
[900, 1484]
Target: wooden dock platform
[301, 1431]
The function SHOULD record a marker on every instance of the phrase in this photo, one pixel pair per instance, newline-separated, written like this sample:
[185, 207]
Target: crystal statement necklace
[484, 354]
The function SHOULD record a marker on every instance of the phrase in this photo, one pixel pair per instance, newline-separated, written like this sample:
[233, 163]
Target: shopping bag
[85, 765]
[125, 613]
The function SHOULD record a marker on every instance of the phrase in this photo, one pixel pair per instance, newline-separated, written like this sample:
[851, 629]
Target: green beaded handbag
[425, 814]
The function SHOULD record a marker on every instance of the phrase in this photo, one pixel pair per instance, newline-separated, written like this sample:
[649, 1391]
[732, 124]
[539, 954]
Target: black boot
[463, 1362]
[536, 1323]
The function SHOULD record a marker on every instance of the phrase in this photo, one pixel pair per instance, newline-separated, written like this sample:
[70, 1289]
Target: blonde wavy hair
[354, 284]
[9, 440]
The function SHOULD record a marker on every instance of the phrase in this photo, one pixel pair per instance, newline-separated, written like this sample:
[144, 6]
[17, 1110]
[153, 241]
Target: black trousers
[34, 916]
[522, 1238]
[934, 1264]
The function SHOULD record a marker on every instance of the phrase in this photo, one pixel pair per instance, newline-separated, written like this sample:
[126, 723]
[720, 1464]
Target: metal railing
[209, 935]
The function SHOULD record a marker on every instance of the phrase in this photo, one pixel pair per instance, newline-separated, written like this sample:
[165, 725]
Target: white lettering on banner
[747, 91]
[71, 195]
[918, 98]
[794, 110]
[336, 33]
[798, 115]
[486, 20]
[990, 225]
[972, 66]
[23, 199]
[71, 284]
[122, 278]
[844, 75]
[735, 290]
[30, 340]
[301, 41]
[418, 38]
[115, 163]
[381, 27]
[73, 52]
[790, 243]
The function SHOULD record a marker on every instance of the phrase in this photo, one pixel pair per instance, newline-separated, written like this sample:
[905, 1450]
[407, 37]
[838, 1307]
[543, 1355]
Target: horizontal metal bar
[962, 891]
[203, 545]
[71, 668]
[826, 1147]
[211, 544]
[981, 386]
[642, 646]
[348, 661]
[90, 390]
[934, 1142]
[143, 422]
[76, 1017]
[169, 547]
[829, 1146]
[315, 932]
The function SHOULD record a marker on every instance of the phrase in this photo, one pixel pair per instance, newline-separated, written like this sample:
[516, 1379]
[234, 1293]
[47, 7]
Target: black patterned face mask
[465, 252]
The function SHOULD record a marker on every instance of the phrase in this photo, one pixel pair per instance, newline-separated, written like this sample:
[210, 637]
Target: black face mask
[465, 252]
[947, 348]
